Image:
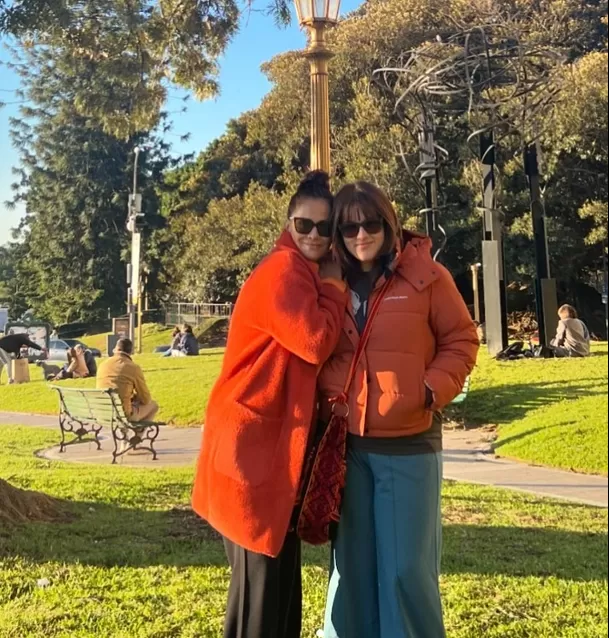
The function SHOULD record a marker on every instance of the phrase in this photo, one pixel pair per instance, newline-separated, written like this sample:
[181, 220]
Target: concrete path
[467, 458]
[175, 446]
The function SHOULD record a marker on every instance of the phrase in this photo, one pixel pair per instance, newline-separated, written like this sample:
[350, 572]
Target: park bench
[84, 412]
[466, 388]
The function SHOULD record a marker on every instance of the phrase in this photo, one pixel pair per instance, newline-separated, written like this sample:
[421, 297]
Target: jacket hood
[414, 262]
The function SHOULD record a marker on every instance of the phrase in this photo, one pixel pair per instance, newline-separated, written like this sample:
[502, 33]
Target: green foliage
[139, 47]
[224, 170]
[220, 249]
[10, 295]
[74, 180]
[372, 140]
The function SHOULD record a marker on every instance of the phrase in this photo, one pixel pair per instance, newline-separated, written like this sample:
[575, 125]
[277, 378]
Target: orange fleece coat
[286, 324]
[422, 336]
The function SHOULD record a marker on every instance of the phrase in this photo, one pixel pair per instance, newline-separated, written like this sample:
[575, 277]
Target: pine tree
[74, 181]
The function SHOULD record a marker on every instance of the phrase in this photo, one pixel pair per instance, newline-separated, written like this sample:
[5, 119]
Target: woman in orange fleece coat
[286, 323]
[422, 346]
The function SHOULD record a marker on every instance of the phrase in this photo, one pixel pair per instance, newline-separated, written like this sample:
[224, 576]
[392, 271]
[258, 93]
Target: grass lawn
[180, 385]
[133, 562]
[154, 336]
[551, 412]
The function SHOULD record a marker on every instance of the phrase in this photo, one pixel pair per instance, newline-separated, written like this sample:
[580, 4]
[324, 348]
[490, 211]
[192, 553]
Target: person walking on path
[285, 325]
[422, 345]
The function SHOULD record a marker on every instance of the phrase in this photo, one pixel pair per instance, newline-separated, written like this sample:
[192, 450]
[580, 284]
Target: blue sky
[242, 83]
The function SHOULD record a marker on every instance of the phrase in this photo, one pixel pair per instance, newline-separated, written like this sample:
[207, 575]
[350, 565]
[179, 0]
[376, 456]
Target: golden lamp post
[317, 16]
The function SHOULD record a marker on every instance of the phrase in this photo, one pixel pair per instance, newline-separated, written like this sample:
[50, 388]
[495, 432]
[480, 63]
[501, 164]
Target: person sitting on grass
[77, 367]
[120, 373]
[573, 337]
[188, 345]
[176, 337]
[90, 363]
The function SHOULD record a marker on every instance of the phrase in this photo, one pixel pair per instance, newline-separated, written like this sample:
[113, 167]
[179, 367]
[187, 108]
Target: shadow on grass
[518, 437]
[107, 535]
[504, 404]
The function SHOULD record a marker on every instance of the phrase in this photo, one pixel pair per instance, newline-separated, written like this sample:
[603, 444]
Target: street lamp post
[317, 16]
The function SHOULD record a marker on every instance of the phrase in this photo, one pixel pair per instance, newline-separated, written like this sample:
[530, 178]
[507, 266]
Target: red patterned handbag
[325, 471]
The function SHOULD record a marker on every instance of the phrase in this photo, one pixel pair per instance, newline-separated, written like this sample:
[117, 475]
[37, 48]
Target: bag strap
[363, 341]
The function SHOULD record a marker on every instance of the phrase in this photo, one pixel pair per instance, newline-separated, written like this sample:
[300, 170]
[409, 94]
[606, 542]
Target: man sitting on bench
[120, 373]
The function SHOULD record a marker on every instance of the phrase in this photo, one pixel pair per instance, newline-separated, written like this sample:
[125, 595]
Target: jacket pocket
[402, 400]
[247, 447]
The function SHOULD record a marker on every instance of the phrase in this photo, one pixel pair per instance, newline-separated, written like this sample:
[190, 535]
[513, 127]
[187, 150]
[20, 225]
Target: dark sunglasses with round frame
[305, 226]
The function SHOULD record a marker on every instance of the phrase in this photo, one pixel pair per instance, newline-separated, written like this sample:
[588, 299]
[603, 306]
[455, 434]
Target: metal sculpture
[504, 86]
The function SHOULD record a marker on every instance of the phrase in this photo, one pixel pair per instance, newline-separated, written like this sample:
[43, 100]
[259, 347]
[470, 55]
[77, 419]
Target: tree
[138, 48]
[219, 250]
[370, 140]
[11, 294]
[225, 169]
[74, 180]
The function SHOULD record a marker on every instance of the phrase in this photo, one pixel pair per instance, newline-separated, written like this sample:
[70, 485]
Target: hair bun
[314, 182]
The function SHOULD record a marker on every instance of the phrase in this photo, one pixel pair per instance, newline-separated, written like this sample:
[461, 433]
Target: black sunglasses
[305, 226]
[350, 230]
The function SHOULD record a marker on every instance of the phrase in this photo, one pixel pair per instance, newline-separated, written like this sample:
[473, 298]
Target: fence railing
[195, 314]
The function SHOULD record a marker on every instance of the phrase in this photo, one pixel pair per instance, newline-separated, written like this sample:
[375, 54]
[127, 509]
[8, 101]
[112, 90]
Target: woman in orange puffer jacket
[423, 345]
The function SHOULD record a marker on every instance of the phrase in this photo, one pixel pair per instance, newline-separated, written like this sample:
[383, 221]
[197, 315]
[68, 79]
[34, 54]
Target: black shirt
[12, 344]
[362, 285]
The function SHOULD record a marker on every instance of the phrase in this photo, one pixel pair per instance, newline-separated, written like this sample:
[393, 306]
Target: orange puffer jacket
[423, 335]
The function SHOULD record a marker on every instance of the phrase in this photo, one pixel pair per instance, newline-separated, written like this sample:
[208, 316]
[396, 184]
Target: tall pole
[140, 333]
[495, 289]
[429, 171]
[545, 286]
[476, 289]
[135, 211]
[319, 56]
[606, 288]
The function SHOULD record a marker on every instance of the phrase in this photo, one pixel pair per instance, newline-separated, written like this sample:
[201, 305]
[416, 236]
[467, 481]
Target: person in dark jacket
[12, 345]
[188, 345]
[91, 363]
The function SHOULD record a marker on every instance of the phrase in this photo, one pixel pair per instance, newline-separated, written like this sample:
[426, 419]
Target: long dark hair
[315, 185]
